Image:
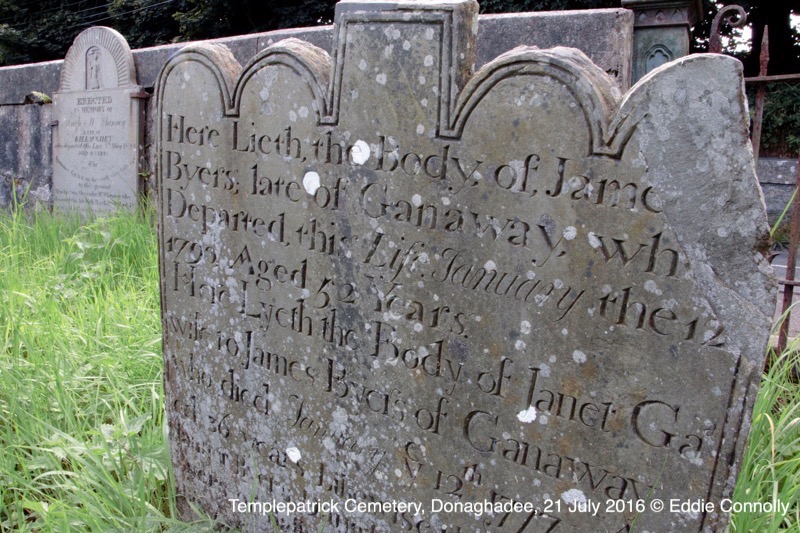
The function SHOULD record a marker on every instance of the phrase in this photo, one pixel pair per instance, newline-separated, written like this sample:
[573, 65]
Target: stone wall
[778, 178]
[26, 168]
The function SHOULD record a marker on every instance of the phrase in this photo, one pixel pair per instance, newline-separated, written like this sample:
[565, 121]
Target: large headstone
[98, 137]
[390, 282]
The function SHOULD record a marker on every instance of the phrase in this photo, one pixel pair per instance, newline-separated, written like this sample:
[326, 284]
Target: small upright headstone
[400, 295]
[97, 140]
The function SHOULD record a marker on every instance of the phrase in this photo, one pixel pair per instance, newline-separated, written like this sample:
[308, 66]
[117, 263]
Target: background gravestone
[387, 279]
[98, 137]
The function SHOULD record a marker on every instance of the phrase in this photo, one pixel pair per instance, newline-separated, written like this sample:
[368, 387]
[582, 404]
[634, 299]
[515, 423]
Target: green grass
[82, 429]
[81, 399]
[770, 470]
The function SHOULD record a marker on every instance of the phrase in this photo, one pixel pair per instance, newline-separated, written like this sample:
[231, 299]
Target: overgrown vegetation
[82, 429]
[81, 401]
[781, 133]
[770, 470]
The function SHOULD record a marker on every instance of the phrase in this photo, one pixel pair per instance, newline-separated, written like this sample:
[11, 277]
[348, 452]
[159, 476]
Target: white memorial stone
[99, 130]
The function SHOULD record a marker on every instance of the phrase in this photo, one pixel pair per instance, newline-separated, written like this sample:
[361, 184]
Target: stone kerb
[386, 278]
[98, 137]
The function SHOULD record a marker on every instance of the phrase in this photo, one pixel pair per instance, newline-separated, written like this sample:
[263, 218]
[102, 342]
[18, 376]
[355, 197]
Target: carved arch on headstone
[309, 62]
[595, 94]
[217, 59]
[73, 71]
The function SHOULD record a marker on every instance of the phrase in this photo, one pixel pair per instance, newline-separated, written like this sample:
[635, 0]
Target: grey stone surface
[777, 170]
[98, 139]
[386, 278]
[604, 35]
[26, 170]
[17, 81]
[778, 179]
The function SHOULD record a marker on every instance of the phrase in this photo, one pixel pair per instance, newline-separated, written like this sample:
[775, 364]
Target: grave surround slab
[99, 127]
[387, 278]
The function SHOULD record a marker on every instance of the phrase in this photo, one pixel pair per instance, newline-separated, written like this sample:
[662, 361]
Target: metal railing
[736, 17]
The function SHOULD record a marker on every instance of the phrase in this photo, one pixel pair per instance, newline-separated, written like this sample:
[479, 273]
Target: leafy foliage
[780, 136]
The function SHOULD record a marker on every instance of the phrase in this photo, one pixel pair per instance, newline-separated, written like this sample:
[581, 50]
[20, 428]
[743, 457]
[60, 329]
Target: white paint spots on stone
[519, 345]
[573, 496]
[292, 116]
[418, 327]
[311, 182]
[428, 61]
[489, 265]
[429, 34]
[424, 102]
[293, 454]
[406, 45]
[421, 79]
[525, 327]
[570, 232]
[579, 357]
[387, 51]
[445, 200]
[360, 152]
[526, 416]
[530, 274]
[420, 129]
[544, 370]
[565, 332]
[650, 286]
[381, 78]
[416, 200]
[303, 112]
[186, 75]
[362, 65]
[594, 242]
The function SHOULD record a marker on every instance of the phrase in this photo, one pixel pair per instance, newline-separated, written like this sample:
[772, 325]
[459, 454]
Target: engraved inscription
[99, 134]
[424, 288]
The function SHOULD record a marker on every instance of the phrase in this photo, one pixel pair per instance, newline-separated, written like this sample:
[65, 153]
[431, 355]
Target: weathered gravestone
[98, 138]
[386, 279]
